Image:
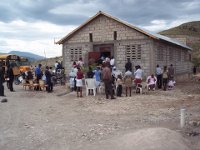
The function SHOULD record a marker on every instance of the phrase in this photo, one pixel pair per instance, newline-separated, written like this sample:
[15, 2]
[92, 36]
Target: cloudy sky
[32, 25]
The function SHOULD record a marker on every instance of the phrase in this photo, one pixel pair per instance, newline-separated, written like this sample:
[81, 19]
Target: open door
[94, 55]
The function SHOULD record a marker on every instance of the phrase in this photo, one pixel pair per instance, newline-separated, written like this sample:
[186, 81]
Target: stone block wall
[181, 65]
[102, 29]
[86, 47]
[144, 62]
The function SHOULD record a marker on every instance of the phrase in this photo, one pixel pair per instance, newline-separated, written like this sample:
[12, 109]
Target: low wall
[183, 77]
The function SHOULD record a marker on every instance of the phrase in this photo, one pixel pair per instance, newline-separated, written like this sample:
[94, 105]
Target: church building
[105, 35]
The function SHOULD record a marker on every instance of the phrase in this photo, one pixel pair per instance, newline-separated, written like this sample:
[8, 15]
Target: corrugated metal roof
[174, 41]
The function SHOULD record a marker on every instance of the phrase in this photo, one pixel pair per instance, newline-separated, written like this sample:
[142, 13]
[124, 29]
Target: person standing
[128, 80]
[72, 76]
[112, 62]
[116, 72]
[128, 65]
[79, 82]
[138, 75]
[90, 75]
[80, 63]
[165, 78]
[48, 80]
[107, 79]
[11, 78]
[171, 72]
[2, 79]
[194, 70]
[38, 74]
[119, 83]
[159, 76]
[56, 66]
[97, 76]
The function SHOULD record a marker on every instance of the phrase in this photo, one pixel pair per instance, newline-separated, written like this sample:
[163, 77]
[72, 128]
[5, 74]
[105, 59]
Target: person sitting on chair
[151, 82]
[171, 84]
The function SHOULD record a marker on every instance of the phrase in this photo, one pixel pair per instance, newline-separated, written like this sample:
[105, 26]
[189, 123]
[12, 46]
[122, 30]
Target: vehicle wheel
[17, 82]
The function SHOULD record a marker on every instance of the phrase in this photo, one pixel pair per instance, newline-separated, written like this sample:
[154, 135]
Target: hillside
[30, 56]
[190, 34]
[190, 29]
[47, 62]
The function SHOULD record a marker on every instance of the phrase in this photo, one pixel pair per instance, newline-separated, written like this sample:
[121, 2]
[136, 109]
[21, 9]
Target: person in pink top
[151, 82]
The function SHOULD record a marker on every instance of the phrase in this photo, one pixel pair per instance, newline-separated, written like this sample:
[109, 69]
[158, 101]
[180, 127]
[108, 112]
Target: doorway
[105, 50]
[105, 54]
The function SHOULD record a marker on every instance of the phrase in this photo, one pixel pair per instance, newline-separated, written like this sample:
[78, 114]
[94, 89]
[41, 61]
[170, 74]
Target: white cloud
[33, 37]
[156, 25]
[158, 22]
[78, 8]
[36, 47]
[191, 5]
[159, 25]
[32, 25]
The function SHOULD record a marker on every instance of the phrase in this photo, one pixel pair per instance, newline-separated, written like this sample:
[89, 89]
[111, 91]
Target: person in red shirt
[79, 82]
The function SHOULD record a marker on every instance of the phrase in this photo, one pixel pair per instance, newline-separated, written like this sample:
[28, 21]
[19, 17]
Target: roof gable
[145, 32]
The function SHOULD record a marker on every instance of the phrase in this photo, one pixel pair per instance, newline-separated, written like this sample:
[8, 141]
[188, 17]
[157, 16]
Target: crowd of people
[105, 72]
[114, 80]
[33, 75]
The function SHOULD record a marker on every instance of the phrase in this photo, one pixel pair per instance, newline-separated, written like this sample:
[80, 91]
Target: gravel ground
[33, 120]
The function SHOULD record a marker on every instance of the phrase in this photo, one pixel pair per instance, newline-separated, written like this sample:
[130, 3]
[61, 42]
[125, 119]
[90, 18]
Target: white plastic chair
[155, 82]
[90, 85]
[139, 87]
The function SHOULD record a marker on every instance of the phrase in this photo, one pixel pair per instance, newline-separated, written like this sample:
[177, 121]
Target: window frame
[133, 51]
[75, 53]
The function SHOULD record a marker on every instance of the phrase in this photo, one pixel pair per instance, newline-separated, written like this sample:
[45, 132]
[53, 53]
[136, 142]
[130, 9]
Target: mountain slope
[28, 55]
[190, 34]
[190, 28]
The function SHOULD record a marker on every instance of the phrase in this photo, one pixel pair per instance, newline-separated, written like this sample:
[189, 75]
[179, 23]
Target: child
[171, 84]
[72, 76]
[119, 83]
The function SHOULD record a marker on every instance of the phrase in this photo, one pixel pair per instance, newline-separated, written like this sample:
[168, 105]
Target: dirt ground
[36, 120]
